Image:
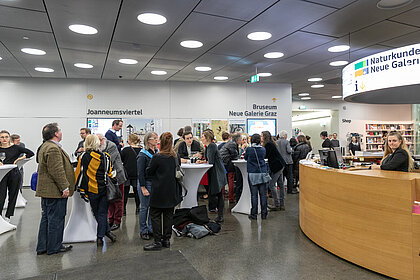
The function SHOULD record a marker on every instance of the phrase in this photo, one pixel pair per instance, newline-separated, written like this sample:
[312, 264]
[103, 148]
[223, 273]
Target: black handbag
[113, 192]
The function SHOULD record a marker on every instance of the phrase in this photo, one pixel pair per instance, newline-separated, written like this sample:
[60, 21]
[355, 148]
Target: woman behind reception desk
[396, 155]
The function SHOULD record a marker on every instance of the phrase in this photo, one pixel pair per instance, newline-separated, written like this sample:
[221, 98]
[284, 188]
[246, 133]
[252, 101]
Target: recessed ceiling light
[305, 98]
[274, 55]
[339, 63]
[202, 68]
[259, 36]
[25, 38]
[221, 78]
[33, 51]
[264, 74]
[83, 65]
[159, 72]
[1, 58]
[314, 79]
[303, 94]
[44, 69]
[83, 29]
[152, 19]
[317, 86]
[128, 61]
[392, 4]
[191, 44]
[337, 96]
[340, 48]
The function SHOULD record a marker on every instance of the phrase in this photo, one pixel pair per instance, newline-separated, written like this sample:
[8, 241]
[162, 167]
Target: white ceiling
[302, 30]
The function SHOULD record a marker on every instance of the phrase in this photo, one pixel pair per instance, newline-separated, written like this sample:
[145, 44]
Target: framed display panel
[260, 125]
[101, 125]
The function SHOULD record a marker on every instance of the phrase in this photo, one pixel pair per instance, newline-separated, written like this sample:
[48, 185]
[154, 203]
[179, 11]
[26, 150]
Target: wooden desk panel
[362, 216]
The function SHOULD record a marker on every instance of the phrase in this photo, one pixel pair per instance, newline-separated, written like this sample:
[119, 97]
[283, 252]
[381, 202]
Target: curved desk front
[363, 216]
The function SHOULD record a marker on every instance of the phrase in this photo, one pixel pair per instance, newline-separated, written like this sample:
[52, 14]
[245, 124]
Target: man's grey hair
[148, 135]
[236, 137]
[187, 128]
[283, 134]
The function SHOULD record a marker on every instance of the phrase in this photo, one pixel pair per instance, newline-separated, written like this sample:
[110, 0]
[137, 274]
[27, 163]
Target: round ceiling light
[83, 29]
[340, 48]
[83, 65]
[392, 4]
[259, 36]
[159, 72]
[1, 58]
[305, 98]
[303, 94]
[221, 78]
[264, 74]
[128, 61]
[44, 69]
[151, 18]
[337, 96]
[191, 44]
[202, 68]
[317, 86]
[339, 63]
[274, 55]
[314, 79]
[33, 51]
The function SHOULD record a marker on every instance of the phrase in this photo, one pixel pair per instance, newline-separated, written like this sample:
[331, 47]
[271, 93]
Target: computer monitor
[332, 159]
[323, 156]
[339, 155]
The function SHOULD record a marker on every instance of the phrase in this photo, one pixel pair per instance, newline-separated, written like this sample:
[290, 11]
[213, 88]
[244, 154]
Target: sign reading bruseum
[394, 68]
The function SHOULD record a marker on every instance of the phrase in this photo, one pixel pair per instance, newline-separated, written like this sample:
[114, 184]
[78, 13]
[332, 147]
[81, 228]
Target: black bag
[213, 228]
[198, 215]
[113, 192]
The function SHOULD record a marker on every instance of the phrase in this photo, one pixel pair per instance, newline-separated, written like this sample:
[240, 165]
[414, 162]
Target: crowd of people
[149, 167]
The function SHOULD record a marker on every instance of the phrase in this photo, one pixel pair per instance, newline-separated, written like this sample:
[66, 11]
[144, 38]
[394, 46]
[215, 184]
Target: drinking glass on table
[2, 156]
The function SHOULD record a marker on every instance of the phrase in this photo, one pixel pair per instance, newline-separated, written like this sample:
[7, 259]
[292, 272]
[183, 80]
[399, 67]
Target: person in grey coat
[300, 151]
[229, 152]
[216, 175]
[115, 209]
[283, 145]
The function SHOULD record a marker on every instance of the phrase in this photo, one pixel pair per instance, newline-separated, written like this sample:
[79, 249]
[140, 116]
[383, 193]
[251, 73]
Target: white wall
[359, 115]
[28, 104]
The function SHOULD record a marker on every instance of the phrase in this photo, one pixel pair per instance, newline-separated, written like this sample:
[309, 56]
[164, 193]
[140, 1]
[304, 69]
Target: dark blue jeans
[262, 190]
[51, 228]
[144, 217]
[99, 205]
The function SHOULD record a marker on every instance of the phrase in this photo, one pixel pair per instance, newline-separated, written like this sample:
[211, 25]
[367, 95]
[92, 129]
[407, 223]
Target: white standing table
[82, 225]
[5, 226]
[21, 201]
[192, 177]
[244, 204]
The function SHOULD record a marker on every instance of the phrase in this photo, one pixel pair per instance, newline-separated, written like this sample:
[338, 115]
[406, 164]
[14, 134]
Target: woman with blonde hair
[165, 194]
[396, 155]
[92, 169]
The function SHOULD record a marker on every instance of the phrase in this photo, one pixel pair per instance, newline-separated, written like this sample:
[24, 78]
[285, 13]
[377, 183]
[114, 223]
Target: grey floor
[271, 249]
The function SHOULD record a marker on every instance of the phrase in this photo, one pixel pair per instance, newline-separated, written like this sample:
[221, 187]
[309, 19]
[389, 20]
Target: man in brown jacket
[55, 184]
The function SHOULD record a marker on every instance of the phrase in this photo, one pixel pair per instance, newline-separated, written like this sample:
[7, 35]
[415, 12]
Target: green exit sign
[255, 79]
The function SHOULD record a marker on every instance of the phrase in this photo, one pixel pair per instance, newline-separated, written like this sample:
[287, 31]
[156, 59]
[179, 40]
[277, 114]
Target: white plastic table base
[244, 204]
[82, 225]
[192, 177]
[20, 202]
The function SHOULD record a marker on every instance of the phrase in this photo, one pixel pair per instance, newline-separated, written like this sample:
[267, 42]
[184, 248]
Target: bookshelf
[374, 134]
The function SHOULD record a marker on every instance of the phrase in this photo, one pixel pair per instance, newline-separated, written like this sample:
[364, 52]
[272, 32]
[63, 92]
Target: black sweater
[275, 160]
[13, 153]
[183, 151]
[397, 161]
[162, 170]
[129, 159]
[327, 144]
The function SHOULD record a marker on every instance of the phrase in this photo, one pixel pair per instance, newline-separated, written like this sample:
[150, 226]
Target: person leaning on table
[396, 155]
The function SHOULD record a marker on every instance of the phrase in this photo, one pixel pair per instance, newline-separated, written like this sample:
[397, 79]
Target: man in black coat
[327, 142]
[189, 147]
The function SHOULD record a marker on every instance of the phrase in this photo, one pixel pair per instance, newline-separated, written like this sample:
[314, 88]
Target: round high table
[21, 201]
[193, 174]
[82, 225]
[244, 204]
[5, 226]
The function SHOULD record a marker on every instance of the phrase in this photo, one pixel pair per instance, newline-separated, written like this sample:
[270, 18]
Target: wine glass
[2, 156]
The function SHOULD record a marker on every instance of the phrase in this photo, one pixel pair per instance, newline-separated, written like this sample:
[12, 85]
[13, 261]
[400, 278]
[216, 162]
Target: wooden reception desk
[363, 216]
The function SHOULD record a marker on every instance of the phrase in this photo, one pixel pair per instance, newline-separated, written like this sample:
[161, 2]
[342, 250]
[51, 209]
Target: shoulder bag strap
[258, 160]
